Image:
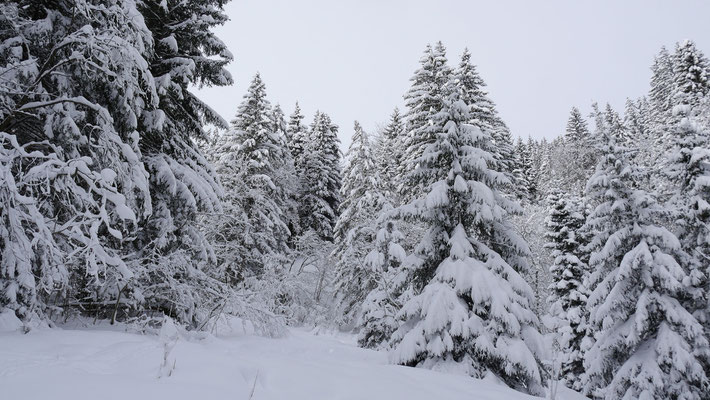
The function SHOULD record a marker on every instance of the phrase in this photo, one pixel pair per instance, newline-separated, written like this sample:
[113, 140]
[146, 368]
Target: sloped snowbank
[105, 364]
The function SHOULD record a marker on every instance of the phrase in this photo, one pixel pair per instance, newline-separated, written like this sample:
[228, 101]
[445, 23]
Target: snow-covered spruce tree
[687, 88]
[423, 101]
[278, 122]
[377, 321]
[661, 92]
[522, 170]
[288, 179]
[355, 230]
[250, 163]
[544, 169]
[578, 154]
[170, 246]
[638, 125]
[321, 180]
[485, 116]
[688, 167]
[530, 161]
[472, 310]
[74, 93]
[691, 79]
[297, 138]
[647, 344]
[576, 129]
[615, 127]
[568, 296]
[388, 151]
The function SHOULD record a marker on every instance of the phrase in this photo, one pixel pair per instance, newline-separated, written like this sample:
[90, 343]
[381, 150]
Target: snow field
[109, 364]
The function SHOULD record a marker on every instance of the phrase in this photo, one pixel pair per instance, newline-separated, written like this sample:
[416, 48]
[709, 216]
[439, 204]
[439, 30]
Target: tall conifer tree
[355, 230]
[647, 344]
[473, 309]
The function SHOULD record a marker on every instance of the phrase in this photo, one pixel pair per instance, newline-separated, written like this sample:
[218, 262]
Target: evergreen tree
[250, 161]
[321, 178]
[423, 101]
[278, 122]
[75, 94]
[576, 130]
[531, 167]
[578, 157]
[689, 169]
[297, 138]
[472, 309]
[378, 321]
[354, 231]
[388, 158]
[522, 170]
[637, 124]
[661, 92]
[544, 169]
[568, 296]
[691, 78]
[614, 126]
[182, 183]
[647, 344]
[485, 116]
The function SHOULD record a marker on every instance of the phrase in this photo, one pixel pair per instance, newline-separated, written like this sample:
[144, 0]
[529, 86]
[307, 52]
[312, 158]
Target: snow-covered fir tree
[614, 125]
[576, 161]
[121, 70]
[638, 125]
[568, 295]
[297, 137]
[321, 180]
[691, 78]
[378, 319]
[278, 120]
[251, 163]
[530, 161]
[647, 344]
[355, 231]
[688, 168]
[472, 310]
[182, 183]
[423, 101]
[388, 152]
[522, 170]
[661, 91]
[74, 186]
[485, 116]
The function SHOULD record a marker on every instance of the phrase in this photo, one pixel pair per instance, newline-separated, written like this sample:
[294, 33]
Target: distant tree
[691, 79]
[297, 138]
[389, 153]
[355, 230]
[250, 162]
[576, 161]
[278, 122]
[320, 197]
[661, 92]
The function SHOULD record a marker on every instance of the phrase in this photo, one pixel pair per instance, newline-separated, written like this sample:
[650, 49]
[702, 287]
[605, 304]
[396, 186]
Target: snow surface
[91, 363]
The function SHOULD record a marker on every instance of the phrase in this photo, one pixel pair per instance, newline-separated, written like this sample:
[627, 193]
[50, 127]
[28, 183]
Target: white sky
[353, 59]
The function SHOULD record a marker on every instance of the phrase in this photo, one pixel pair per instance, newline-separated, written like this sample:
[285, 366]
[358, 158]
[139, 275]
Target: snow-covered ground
[100, 363]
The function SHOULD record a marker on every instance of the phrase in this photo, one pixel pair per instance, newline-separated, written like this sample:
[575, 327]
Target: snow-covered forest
[441, 240]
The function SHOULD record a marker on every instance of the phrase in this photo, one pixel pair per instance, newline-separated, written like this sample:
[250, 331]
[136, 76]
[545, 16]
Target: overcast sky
[353, 59]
